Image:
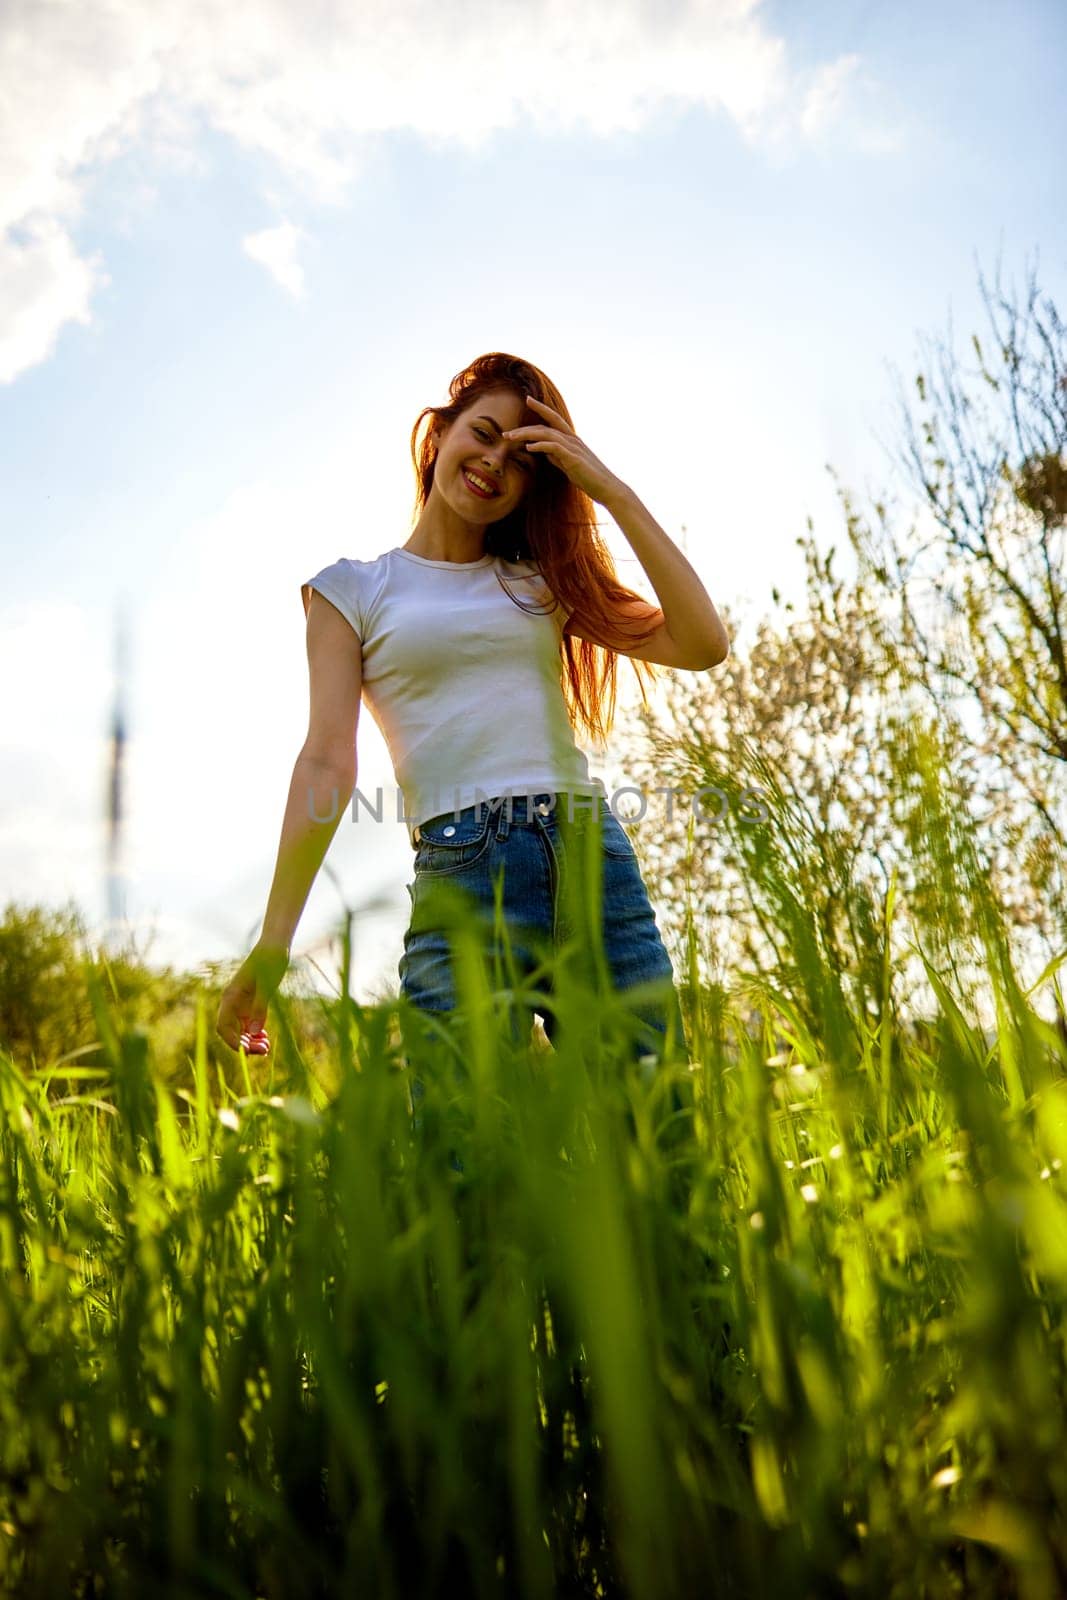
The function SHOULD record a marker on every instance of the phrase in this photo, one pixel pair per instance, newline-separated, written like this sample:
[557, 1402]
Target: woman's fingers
[240, 1024]
[255, 1044]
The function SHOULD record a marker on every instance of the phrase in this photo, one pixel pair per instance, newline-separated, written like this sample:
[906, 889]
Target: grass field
[784, 1317]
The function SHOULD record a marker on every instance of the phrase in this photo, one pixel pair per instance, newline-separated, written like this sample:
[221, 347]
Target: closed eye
[522, 461]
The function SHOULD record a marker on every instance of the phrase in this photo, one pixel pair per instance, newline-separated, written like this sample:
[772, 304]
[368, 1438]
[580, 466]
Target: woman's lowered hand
[243, 1007]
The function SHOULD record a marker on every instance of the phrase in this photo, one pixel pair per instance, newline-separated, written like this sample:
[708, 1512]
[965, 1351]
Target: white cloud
[823, 100]
[845, 99]
[275, 249]
[44, 284]
[305, 83]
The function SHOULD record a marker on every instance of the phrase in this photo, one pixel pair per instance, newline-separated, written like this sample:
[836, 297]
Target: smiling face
[481, 475]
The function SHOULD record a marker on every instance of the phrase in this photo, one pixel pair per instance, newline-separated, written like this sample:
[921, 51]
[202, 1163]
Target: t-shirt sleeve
[340, 584]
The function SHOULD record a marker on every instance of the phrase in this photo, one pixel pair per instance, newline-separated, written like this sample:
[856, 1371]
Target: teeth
[480, 483]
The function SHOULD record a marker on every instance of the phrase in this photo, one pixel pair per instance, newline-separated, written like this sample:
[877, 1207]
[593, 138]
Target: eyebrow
[494, 424]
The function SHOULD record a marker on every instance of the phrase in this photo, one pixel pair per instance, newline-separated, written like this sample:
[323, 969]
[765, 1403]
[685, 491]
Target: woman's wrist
[271, 951]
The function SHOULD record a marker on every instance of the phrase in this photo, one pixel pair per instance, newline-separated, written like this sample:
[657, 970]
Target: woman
[480, 645]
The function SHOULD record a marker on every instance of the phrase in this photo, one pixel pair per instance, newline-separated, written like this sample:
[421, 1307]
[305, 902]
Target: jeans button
[449, 831]
[544, 808]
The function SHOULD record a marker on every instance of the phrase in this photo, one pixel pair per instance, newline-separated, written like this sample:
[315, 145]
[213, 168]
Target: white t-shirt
[462, 681]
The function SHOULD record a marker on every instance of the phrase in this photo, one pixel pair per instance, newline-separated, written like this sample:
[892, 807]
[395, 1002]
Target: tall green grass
[783, 1317]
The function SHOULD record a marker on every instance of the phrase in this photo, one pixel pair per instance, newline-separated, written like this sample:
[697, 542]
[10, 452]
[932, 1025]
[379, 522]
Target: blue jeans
[531, 850]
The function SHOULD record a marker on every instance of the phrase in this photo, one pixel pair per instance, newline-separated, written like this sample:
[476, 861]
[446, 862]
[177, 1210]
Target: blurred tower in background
[115, 925]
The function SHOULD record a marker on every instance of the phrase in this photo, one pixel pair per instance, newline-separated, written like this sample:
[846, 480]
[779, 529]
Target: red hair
[554, 526]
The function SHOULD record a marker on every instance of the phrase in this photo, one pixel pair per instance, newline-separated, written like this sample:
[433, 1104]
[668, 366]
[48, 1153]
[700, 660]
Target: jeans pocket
[450, 842]
[616, 840]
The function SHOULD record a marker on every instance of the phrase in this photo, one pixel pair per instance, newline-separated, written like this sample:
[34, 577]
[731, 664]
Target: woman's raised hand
[558, 440]
[243, 1007]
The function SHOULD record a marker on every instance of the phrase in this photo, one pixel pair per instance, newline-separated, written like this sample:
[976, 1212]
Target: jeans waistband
[517, 809]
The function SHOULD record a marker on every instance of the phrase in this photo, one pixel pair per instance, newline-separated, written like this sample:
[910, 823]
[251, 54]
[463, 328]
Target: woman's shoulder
[354, 585]
[358, 565]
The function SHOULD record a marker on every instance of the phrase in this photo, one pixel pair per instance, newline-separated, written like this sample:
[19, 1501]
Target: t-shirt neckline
[454, 566]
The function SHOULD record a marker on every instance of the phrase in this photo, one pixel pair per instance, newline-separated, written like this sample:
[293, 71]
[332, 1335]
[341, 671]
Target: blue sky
[240, 249]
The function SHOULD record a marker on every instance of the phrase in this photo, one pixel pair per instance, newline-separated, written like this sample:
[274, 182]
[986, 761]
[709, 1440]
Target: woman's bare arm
[324, 774]
[324, 777]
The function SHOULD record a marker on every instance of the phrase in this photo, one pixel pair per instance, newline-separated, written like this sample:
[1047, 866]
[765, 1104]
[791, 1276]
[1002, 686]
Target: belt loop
[503, 827]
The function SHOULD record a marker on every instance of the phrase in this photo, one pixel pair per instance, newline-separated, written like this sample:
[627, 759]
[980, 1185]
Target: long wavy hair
[554, 526]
